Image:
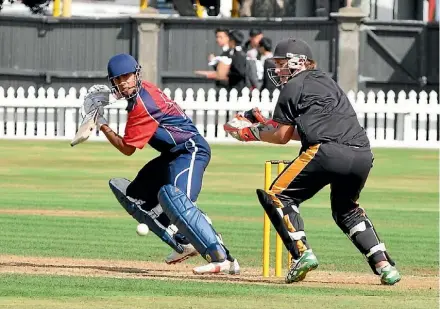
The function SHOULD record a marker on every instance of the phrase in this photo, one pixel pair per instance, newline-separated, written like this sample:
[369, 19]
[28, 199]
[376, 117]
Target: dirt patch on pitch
[63, 213]
[98, 214]
[161, 271]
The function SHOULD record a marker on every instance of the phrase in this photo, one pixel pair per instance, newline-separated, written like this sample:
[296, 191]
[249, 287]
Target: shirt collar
[131, 104]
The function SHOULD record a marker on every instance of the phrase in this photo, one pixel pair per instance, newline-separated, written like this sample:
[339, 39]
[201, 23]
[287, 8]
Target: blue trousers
[183, 168]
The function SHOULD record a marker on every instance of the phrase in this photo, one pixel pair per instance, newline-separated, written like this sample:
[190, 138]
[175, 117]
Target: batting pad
[191, 222]
[119, 189]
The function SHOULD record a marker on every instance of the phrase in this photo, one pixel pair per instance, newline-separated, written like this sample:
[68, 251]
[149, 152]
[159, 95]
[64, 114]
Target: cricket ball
[142, 229]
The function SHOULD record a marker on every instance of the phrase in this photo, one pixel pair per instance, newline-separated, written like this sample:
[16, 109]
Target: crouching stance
[164, 192]
[335, 150]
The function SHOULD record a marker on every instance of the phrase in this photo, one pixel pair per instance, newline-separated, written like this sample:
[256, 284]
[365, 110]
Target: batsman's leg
[299, 181]
[139, 199]
[187, 173]
[354, 222]
[133, 207]
[193, 224]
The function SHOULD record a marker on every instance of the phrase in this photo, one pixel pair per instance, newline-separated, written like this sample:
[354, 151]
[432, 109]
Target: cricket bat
[88, 125]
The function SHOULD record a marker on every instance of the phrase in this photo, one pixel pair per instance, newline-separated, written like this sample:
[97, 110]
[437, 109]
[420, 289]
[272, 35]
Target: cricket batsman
[335, 150]
[164, 192]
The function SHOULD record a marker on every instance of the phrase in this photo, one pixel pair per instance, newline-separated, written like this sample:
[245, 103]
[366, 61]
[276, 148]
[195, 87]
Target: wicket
[266, 225]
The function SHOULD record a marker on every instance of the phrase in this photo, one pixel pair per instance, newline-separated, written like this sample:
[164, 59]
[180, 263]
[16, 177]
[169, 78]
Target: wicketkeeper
[335, 150]
[164, 192]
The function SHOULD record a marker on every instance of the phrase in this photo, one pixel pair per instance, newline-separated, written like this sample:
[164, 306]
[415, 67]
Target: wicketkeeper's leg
[351, 218]
[299, 181]
[350, 177]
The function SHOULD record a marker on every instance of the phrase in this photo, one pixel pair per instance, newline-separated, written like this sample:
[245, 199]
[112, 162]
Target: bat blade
[88, 125]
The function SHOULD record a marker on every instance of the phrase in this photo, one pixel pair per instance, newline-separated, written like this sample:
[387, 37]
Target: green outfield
[66, 243]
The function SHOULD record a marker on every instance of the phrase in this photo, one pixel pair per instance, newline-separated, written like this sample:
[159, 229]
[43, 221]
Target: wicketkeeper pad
[291, 237]
[359, 229]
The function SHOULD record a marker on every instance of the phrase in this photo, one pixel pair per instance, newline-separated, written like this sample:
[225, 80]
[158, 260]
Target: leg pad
[133, 207]
[192, 223]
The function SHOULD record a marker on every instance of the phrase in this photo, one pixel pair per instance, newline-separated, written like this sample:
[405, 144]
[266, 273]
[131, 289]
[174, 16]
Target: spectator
[265, 49]
[251, 46]
[222, 40]
[246, 8]
[266, 62]
[231, 70]
[264, 52]
[236, 72]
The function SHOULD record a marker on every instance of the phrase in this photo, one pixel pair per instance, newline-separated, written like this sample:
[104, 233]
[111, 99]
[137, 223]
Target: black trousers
[345, 168]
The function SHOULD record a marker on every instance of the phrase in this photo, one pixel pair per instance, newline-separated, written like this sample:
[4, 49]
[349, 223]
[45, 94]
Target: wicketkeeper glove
[254, 115]
[242, 129]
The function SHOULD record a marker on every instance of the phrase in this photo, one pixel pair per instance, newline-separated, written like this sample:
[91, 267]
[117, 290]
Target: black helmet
[290, 47]
[296, 52]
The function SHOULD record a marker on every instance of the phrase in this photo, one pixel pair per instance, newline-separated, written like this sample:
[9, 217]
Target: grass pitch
[55, 206]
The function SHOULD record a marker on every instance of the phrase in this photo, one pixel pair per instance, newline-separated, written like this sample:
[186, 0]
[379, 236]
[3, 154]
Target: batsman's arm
[117, 141]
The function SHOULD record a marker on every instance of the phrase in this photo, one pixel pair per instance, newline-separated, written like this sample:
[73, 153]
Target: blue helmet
[119, 65]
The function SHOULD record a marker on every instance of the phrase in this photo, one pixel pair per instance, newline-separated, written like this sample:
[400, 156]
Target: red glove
[254, 115]
[250, 134]
[242, 129]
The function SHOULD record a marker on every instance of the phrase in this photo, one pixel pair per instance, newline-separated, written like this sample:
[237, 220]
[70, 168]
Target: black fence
[44, 51]
[399, 56]
[185, 44]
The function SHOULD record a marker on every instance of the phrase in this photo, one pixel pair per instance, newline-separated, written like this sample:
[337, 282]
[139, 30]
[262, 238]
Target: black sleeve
[238, 68]
[284, 112]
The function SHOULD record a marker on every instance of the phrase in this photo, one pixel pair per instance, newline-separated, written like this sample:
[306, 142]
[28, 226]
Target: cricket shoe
[175, 257]
[225, 267]
[299, 269]
[389, 275]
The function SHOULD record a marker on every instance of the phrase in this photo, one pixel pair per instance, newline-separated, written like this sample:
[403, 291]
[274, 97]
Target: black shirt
[320, 109]
[237, 70]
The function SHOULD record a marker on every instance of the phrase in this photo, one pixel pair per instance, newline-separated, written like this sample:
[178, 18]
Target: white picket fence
[402, 120]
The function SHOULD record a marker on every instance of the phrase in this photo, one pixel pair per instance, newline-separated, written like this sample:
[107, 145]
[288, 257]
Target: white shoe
[226, 267]
[175, 257]
[234, 269]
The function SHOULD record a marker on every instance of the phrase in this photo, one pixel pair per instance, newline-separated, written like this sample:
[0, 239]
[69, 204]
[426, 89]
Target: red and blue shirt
[157, 120]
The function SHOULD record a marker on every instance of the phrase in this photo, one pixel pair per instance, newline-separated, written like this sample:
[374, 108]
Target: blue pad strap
[119, 188]
[191, 222]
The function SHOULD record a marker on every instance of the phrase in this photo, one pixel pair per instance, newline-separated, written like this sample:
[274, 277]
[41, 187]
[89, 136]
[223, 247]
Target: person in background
[265, 63]
[231, 70]
[236, 75]
[222, 40]
[251, 46]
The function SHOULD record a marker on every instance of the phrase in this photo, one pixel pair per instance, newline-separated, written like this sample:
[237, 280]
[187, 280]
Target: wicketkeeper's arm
[255, 116]
[280, 135]
[295, 135]
[117, 141]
